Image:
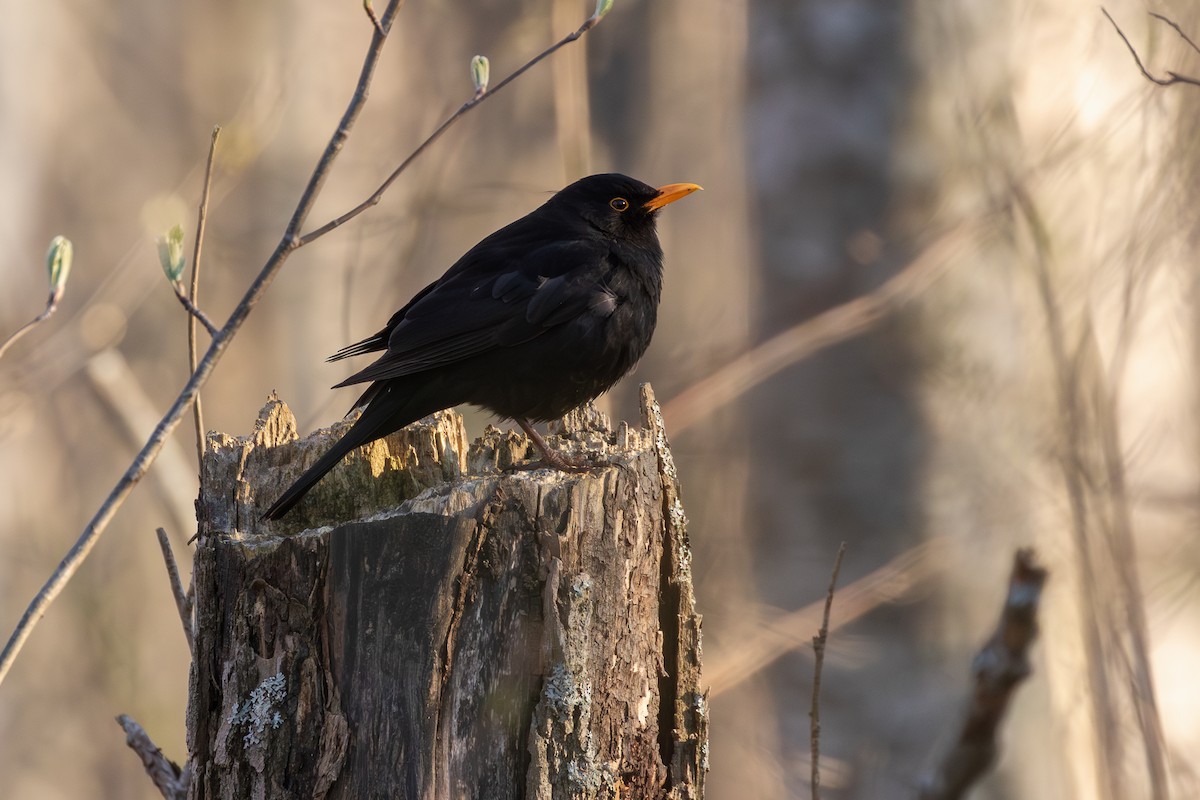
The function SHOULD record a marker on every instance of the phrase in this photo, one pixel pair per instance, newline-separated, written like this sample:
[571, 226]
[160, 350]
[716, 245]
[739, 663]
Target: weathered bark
[469, 633]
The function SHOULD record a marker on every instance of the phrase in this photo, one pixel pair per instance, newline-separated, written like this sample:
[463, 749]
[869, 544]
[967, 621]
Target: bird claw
[556, 461]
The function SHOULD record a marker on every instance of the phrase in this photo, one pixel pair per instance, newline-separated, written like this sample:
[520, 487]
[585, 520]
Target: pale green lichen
[259, 710]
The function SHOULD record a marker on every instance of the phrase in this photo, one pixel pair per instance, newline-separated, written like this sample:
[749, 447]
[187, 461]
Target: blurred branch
[572, 119]
[194, 293]
[828, 328]
[288, 243]
[1117, 527]
[58, 267]
[999, 666]
[818, 643]
[1101, 692]
[183, 600]
[726, 669]
[169, 779]
[124, 396]
[1093, 473]
[1175, 77]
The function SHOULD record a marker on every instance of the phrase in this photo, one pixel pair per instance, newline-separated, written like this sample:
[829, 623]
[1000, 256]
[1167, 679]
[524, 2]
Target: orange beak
[669, 194]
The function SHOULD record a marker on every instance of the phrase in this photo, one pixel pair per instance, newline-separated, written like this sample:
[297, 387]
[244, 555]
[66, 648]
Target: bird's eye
[619, 203]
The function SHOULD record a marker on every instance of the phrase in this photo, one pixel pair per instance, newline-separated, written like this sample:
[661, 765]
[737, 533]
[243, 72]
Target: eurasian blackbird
[541, 316]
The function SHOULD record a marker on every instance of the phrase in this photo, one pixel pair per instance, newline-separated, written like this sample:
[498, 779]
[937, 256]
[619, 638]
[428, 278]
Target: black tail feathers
[372, 425]
[314, 473]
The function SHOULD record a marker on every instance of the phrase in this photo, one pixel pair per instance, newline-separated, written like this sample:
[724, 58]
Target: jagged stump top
[379, 477]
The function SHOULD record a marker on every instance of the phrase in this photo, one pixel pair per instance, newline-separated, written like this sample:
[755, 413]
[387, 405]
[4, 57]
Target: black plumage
[539, 317]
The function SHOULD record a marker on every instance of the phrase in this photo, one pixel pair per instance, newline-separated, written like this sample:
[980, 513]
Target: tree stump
[428, 625]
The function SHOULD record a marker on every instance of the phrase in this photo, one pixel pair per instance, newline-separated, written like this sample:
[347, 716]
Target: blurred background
[1030, 379]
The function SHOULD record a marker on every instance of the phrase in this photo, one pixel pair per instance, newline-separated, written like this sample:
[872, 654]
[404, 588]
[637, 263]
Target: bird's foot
[550, 457]
[556, 461]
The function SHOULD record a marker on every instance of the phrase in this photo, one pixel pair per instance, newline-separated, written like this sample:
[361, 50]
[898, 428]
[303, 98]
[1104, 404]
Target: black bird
[541, 316]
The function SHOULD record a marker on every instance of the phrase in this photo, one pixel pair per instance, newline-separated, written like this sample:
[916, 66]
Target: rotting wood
[466, 633]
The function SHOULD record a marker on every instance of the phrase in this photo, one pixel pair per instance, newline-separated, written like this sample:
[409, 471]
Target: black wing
[479, 306]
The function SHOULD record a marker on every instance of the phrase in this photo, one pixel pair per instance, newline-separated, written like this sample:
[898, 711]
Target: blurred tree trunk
[838, 437]
[527, 635]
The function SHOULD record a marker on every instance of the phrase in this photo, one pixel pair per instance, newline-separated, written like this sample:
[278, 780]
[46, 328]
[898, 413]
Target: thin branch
[194, 290]
[183, 600]
[475, 100]
[194, 312]
[171, 781]
[999, 667]
[51, 306]
[1175, 77]
[818, 664]
[1178, 29]
[370, 9]
[289, 242]
[759, 649]
[220, 342]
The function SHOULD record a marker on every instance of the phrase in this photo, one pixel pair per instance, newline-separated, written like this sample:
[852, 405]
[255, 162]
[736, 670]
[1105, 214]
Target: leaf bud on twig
[480, 70]
[58, 266]
[170, 253]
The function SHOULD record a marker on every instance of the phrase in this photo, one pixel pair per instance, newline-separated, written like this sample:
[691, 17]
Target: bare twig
[370, 9]
[58, 267]
[171, 781]
[999, 666]
[193, 312]
[793, 630]
[1175, 77]
[141, 463]
[194, 290]
[1178, 30]
[51, 306]
[183, 600]
[289, 242]
[475, 100]
[818, 643]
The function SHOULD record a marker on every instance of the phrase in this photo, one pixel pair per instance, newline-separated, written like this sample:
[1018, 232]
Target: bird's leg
[550, 458]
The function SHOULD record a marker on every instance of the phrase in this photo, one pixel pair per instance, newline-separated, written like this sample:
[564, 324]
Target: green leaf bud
[170, 253]
[58, 265]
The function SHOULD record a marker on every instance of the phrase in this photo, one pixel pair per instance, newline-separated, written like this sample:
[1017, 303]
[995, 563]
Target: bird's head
[617, 204]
